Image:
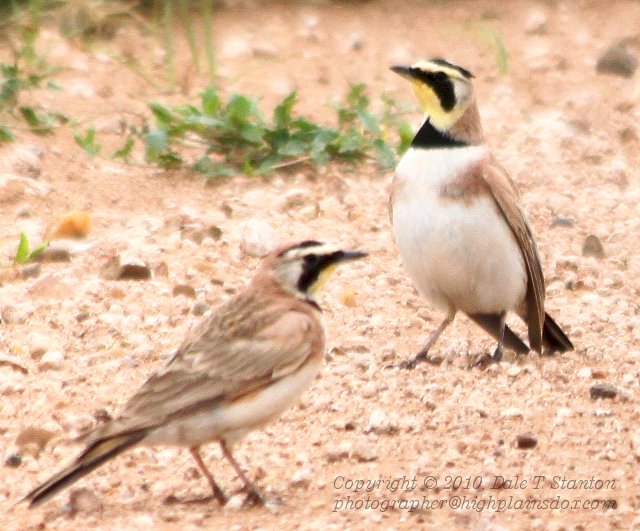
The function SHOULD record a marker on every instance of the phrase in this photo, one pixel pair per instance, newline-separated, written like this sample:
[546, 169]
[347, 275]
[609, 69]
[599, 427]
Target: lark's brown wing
[243, 347]
[506, 196]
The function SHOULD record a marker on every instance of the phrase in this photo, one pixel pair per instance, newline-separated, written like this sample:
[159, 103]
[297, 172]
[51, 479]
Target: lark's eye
[440, 76]
[311, 259]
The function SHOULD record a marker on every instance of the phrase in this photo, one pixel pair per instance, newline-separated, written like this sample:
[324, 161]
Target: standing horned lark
[238, 369]
[458, 222]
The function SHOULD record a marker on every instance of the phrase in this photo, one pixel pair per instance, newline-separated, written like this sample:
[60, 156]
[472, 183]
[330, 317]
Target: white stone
[585, 373]
[52, 360]
[364, 451]
[511, 412]
[301, 478]
[536, 22]
[258, 238]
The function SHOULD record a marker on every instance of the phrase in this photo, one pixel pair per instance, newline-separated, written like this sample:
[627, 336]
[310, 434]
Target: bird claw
[255, 498]
[174, 500]
[413, 362]
[484, 360]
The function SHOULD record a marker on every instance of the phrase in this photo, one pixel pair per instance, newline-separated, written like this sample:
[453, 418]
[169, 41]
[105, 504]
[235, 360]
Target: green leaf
[169, 160]
[155, 143]
[6, 135]
[41, 124]
[37, 251]
[22, 253]
[211, 102]
[208, 167]
[406, 134]
[87, 142]
[282, 113]
[241, 109]
[125, 150]
[162, 114]
[252, 133]
[320, 143]
[369, 121]
[292, 148]
[386, 155]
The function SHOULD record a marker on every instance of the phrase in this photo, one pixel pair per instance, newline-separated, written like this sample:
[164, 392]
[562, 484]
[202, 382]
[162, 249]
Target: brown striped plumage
[241, 367]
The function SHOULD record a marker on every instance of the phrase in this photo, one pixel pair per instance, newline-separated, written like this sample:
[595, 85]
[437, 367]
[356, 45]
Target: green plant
[88, 142]
[27, 71]
[237, 137]
[24, 254]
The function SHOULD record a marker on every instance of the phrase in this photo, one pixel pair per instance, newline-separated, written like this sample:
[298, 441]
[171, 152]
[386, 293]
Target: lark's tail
[553, 338]
[95, 455]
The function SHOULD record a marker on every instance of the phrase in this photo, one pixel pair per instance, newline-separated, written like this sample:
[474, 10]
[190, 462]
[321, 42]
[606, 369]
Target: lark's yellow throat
[430, 104]
[323, 278]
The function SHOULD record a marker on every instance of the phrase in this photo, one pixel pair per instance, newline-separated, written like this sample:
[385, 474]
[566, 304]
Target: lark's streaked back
[239, 369]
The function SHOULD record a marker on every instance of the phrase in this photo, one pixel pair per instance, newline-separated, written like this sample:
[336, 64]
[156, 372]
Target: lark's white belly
[460, 254]
[233, 421]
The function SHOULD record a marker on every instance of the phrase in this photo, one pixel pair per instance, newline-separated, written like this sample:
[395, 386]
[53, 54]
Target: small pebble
[200, 308]
[30, 270]
[301, 478]
[602, 390]
[514, 371]
[32, 435]
[75, 224]
[526, 441]
[117, 268]
[348, 298]
[379, 422]
[364, 451]
[338, 452]
[83, 501]
[184, 289]
[258, 238]
[617, 60]
[12, 315]
[13, 460]
[52, 360]
[369, 390]
[585, 373]
[592, 246]
[511, 412]
[536, 23]
[564, 412]
[55, 252]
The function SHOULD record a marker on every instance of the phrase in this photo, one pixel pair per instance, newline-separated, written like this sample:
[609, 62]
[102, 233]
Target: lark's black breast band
[430, 137]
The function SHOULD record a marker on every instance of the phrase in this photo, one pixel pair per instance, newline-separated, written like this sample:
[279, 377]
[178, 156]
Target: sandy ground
[568, 135]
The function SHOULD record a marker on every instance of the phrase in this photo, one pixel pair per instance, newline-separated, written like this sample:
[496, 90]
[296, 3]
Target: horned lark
[238, 369]
[459, 226]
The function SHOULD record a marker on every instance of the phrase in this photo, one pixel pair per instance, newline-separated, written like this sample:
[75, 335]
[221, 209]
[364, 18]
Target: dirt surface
[570, 139]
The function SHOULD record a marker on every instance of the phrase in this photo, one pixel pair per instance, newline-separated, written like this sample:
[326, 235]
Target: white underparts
[461, 254]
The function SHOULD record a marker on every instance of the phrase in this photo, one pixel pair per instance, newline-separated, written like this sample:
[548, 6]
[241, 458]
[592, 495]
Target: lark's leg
[254, 496]
[217, 491]
[423, 354]
[485, 359]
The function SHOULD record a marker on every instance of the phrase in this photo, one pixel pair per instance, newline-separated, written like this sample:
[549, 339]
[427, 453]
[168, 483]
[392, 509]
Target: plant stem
[167, 16]
[207, 17]
[185, 13]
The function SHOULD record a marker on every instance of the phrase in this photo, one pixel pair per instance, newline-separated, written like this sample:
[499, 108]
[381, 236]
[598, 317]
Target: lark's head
[444, 90]
[304, 268]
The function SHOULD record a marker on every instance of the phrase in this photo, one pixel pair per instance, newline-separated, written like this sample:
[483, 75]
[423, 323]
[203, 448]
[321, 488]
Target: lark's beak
[342, 256]
[403, 71]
